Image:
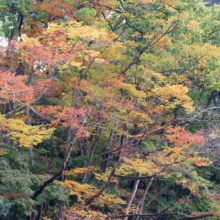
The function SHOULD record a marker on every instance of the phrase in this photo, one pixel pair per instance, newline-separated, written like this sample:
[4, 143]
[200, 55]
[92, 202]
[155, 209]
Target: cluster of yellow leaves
[81, 212]
[85, 191]
[23, 134]
[80, 171]
[195, 183]
[163, 43]
[133, 92]
[82, 191]
[215, 134]
[138, 165]
[193, 25]
[2, 152]
[104, 176]
[178, 94]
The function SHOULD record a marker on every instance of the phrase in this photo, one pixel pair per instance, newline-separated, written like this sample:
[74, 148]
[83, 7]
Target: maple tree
[109, 109]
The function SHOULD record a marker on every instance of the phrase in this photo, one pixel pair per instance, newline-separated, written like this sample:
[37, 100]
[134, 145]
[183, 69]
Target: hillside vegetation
[109, 109]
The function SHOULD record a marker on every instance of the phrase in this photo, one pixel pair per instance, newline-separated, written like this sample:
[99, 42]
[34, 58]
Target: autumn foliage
[109, 110]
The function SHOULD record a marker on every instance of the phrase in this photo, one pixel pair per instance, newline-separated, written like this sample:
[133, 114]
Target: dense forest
[109, 109]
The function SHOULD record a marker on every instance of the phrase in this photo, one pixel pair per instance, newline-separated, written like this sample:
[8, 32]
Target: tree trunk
[139, 208]
[40, 211]
[135, 187]
[67, 149]
[105, 158]
[85, 177]
[28, 122]
[62, 212]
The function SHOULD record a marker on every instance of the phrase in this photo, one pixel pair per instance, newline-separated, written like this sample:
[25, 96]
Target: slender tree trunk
[67, 149]
[139, 208]
[64, 177]
[45, 209]
[62, 212]
[135, 187]
[40, 211]
[62, 205]
[75, 96]
[33, 215]
[85, 177]
[28, 122]
[105, 159]
[9, 108]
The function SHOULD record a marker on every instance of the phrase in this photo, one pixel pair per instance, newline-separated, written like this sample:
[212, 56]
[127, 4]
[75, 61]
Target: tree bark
[105, 157]
[139, 208]
[40, 211]
[132, 195]
[62, 212]
[85, 177]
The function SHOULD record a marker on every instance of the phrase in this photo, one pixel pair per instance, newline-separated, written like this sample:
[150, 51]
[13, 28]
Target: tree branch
[88, 201]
